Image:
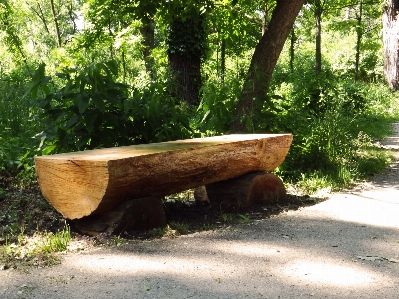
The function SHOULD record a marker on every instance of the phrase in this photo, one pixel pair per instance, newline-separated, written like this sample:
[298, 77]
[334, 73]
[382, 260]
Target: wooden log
[200, 195]
[247, 190]
[132, 215]
[89, 182]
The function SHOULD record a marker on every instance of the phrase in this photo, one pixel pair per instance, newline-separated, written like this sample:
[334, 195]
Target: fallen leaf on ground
[377, 258]
[370, 258]
[393, 260]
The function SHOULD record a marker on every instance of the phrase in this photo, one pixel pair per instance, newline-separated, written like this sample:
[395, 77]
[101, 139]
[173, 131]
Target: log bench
[99, 186]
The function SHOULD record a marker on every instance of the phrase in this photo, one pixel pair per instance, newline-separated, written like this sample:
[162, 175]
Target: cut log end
[248, 190]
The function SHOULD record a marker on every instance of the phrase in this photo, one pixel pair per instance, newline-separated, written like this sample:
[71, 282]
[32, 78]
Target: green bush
[18, 126]
[217, 106]
[91, 110]
[334, 123]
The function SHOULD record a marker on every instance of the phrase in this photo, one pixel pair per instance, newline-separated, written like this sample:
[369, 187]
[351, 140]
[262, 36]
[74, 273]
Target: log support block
[247, 190]
[132, 215]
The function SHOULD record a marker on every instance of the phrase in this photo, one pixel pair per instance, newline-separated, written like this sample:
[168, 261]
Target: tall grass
[335, 125]
[18, 125]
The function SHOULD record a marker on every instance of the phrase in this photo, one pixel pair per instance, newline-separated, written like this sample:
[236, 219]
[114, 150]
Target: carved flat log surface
[89, 182]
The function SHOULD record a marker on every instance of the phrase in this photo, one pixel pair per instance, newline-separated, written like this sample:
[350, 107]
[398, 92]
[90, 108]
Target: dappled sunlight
[251, 249]
[328, 273]
[133, 264]
[354, 208]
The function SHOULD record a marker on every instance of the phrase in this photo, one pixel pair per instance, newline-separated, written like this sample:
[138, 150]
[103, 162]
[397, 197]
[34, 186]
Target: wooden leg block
[200, 195]
[136, 214]
[247, 190]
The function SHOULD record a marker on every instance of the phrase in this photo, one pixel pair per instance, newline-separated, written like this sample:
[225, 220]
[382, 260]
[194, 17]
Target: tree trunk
[148, 43]
[223, 60]
[359, 33]
[318, 12]
[186, 48]
[41, 16]
[293, 40]
[94, 181]
[391, 43]
[263, 62]
[57, 29]
[186, 72]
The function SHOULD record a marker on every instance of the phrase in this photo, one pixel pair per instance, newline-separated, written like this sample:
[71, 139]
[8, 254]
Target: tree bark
[148, 43]
[359, 34]
[186, 44]
[223, 60]
[57, 29]
[293, 40]
[318, 12]
[41, 16]
[391, 43]
[94, 181]
[264, 59]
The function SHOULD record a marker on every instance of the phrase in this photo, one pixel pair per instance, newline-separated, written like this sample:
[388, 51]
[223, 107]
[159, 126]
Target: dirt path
[345, 247]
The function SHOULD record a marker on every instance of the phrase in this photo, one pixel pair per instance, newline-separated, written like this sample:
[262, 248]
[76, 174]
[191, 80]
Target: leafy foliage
[91, 110]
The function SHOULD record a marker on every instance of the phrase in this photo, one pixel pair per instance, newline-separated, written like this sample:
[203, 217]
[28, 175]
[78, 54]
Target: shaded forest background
[78, 75]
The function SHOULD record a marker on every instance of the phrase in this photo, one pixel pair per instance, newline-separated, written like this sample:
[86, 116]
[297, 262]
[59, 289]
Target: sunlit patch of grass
[181, 227]
[168, 232]
[243, 219]
[116, 241]
[184, 196]
[311, 183]
[373, 160]
[39, 250]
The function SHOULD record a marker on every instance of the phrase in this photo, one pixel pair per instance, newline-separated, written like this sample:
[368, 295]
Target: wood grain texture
[83, 183]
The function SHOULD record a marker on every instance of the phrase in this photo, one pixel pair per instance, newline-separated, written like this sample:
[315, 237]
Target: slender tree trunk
[264, 59]
[391, 43]
[359, 33]
[124, 65]
[265, 18]
[318, 12]
[292, 48]
[57, 29]
[41, 16]
[223, 60]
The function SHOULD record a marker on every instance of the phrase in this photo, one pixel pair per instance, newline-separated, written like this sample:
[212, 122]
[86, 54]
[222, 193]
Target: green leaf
[99, 102]
[45, 103]
[112, 66]
[90, 118]
[39, 73]
[83, 103]
[48, 149]
[73, 120]
[82, 141]
[111, 119]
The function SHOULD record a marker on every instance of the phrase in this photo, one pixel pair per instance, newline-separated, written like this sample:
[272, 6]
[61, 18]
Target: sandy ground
[345, 247]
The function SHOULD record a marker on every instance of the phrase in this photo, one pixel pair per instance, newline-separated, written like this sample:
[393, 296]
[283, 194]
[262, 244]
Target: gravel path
[345, 247]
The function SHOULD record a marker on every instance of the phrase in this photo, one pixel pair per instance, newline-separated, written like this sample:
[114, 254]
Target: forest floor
[344, 245]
